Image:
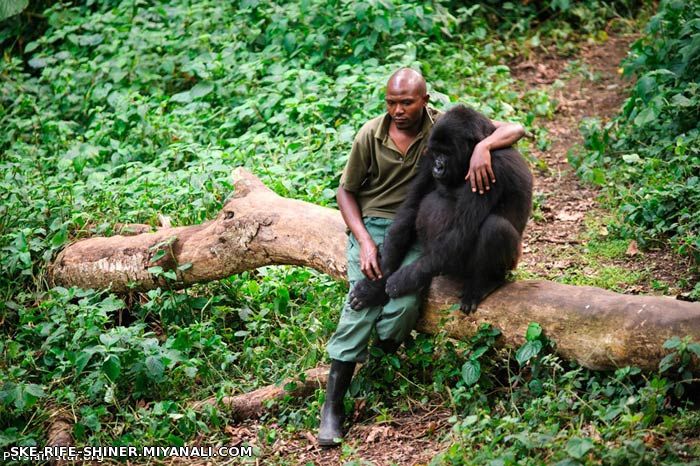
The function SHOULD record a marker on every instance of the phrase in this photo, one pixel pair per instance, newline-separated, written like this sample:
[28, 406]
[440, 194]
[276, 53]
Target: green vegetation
[116, 111]
[648, 158]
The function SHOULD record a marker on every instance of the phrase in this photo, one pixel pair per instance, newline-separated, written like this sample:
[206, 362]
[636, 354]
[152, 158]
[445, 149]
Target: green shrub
[648, 158]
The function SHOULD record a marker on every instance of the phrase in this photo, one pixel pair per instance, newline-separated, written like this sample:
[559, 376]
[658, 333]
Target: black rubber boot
[332, 413]
[388, 346]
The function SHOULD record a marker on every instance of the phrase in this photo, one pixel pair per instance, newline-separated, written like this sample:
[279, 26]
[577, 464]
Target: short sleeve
[358, 164]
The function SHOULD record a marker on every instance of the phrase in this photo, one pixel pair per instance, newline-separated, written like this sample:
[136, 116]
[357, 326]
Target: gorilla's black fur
[475, 237]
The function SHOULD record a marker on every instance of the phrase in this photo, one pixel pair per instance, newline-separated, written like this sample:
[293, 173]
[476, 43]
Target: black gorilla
[475, 237]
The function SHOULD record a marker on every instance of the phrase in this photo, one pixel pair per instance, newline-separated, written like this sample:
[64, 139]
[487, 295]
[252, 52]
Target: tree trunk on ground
[598, 329]
[59, 432]
[253, 404]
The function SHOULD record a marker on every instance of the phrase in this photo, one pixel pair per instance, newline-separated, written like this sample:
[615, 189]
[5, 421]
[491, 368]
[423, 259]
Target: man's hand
[480, 173]
[369, 260]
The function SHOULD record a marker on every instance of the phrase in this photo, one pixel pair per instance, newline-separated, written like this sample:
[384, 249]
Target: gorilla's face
[447, 168]
[440, 167]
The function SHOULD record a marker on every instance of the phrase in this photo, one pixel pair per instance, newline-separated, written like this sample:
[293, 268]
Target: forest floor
[569, 237]
[568, 219]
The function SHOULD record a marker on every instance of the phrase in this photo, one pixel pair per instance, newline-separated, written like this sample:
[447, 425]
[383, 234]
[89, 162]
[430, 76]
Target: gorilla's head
[452, 141]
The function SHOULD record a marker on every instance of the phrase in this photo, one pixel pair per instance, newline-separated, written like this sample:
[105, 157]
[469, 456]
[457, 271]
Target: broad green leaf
[157, 256]
[82, 360]
[185, 266]
[30, 47]
[12, 7]
[694, 348]
[646, 86]
[111, 304]
[471, 372]
[631, 158]
[108, 339]
[59, 238]
[289, 42]
[35, 390]
[672, 343]
[200, 90]
[534, 330]
[182, 97]
[681, 100]
[646, 116]
[37, 62]
[535, 386]
[8, 393]
[667, 362]
[26, 395]
[477, 353]
[154, 367]
[529, 350]
[112, 367]
[577, 447]
[561, 5]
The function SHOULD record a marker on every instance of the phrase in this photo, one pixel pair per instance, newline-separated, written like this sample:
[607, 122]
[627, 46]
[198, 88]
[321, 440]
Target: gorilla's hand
[367, 293]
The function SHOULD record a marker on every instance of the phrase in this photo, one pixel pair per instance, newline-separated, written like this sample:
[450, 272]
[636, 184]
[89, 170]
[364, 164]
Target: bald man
[382, 163]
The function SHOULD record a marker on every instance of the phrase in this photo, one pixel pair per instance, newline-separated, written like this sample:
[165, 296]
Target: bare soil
[592, 87]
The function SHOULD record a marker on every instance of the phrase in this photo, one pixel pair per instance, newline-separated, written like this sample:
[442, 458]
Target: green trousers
[393, 321]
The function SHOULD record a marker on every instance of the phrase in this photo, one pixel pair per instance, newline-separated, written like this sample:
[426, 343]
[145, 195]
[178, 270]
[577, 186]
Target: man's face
[405, 103]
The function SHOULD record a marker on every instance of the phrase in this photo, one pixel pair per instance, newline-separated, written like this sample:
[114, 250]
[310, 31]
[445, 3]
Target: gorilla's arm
[399, 238]
[402, 232]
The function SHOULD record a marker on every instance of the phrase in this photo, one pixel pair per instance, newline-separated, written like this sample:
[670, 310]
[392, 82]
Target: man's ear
[426, 99]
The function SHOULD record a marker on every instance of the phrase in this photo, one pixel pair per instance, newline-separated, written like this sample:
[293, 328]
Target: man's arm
[350, 210]
[480, 173]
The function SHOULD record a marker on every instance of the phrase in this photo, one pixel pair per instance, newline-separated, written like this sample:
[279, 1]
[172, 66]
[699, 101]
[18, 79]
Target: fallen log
[254, 404]
[60, 432]
[598, 329]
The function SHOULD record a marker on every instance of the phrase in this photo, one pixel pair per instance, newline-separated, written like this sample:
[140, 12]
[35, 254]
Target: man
[382, 163]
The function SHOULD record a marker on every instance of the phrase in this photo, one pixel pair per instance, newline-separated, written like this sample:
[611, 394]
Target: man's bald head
[408, 80]
[406, 97]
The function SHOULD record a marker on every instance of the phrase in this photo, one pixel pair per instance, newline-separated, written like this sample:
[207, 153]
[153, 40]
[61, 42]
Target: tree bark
[253, 404]
[60, 432]
[598, 329]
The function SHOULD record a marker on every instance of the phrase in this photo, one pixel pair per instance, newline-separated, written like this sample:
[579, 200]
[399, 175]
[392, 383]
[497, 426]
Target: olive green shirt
[376, 171]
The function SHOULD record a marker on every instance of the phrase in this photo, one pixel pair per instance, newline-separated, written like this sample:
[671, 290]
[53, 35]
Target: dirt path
[569, 214]
[592, 86]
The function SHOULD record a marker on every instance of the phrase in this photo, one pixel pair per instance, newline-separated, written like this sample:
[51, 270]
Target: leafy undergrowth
[124, 110]
[647, 159]
[551, 413]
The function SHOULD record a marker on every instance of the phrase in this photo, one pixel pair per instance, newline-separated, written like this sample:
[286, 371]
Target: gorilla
[473, 237]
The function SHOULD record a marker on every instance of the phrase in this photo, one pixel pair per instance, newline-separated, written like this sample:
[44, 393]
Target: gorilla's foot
[473, 296]
[402, 282]
[367, 293]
